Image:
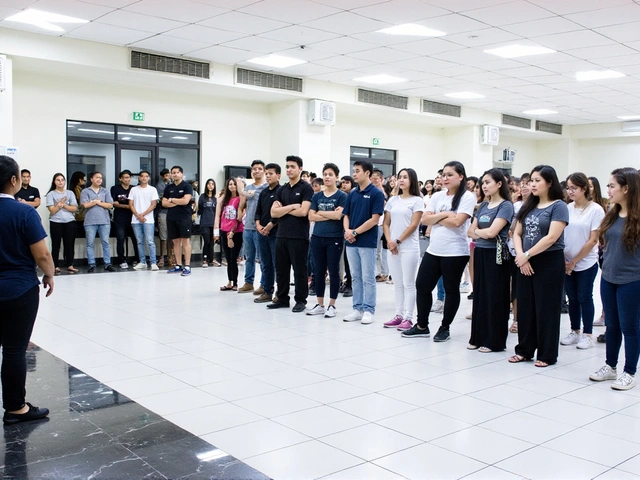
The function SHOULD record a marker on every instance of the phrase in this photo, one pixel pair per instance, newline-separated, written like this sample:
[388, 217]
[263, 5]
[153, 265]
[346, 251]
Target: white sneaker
[625, 382]
[331, 312]
[571, 339]
[367, 318]
[585, 342]
[465, 287]
[354, 316]
[599, 322]
[438, 306]
[140, 266]
[317, 310]
[124, 265]
[154, 267]
[605, 373]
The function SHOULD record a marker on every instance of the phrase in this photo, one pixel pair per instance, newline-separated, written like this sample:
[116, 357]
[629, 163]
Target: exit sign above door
[138, 116]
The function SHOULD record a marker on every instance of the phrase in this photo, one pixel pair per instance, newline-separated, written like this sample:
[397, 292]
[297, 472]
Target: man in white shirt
[143, 200]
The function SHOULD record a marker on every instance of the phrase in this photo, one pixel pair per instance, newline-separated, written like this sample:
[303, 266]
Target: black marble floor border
[93, 432]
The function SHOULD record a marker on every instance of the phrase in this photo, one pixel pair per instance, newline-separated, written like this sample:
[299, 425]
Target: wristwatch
[398, 241]
[354, 233]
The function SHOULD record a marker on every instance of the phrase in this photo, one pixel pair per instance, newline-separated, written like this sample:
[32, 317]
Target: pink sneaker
[397, 320]
[405, 325]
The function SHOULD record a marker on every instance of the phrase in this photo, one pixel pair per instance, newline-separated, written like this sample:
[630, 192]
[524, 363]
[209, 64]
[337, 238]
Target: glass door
[136, 159]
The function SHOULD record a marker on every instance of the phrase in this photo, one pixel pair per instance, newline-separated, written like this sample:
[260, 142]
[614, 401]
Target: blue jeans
[622, 316]
[440, 294]
[251, 247]
[267, 261]
[579, 289]
[144, 234]
[362, 262]
[90, 235]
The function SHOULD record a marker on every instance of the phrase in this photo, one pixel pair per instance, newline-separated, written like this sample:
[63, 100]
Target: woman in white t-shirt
[403, 214]
[581, 259]
[449, 215]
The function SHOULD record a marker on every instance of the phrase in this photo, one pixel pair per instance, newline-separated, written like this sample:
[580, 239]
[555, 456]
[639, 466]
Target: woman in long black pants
[22, 246]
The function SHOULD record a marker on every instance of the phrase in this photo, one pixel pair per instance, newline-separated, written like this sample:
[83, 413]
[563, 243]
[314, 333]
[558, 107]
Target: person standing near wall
[207, 204]
[28, 194]
[122, 218]
[143, 200]
[165, 178]
[346, 185]
[22, 247]
[267, 227]
[177, 199]
[62, 205]
[97, 203]
[229, 230]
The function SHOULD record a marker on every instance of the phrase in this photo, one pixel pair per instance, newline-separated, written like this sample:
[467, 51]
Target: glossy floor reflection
[95, 432]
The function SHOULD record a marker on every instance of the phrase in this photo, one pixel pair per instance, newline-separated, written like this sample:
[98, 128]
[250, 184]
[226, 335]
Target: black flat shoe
[91, 269]
[299, 307]
[34, 413]
[278, 305]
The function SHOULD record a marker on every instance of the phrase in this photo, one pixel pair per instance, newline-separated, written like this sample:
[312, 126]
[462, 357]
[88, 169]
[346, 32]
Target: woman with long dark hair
[62, 205]
[207, 211]
[492, 265]
[76, 185]
[228, 229]
[449, 214]
[403, 214]
[22, 247]
[620, 283]
[539, 244]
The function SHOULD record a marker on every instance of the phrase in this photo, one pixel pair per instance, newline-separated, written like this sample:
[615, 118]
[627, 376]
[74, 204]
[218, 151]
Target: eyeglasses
[572, 189]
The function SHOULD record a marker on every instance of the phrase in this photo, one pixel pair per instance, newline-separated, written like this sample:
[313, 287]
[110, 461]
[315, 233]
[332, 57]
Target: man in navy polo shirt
[364, 207]
[177, 199]
[28, 194]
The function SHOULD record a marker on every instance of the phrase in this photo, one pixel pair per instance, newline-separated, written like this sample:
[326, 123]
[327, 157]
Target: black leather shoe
[34, 413]
[278, 305]
[348, 292]
[299, 307]
[92, 269]
[109, 268]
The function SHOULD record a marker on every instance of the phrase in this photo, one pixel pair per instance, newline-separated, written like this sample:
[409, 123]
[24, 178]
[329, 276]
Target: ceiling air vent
[384, 99]
[268, 80]
[516, 121]
[548, 127]
[441, 108]
[178, 66]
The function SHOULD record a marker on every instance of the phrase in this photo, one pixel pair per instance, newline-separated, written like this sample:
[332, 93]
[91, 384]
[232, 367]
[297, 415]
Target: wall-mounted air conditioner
[3, 73]
[489, 135]
[322, 113]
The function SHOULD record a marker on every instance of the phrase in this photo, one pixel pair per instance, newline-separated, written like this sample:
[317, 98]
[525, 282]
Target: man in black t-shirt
[177, 199]
[291, 208]
[122, 217]
[28, 194]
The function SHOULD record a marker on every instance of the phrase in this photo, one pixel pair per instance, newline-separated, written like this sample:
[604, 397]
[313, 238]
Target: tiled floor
[300, 397]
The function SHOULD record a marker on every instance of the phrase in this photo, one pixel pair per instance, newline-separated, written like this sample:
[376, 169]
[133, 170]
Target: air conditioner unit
[322, 113]
[490, 135]
[631, 126]
[3, 73]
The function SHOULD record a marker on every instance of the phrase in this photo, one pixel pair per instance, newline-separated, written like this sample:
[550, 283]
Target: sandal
[485, 350]
[541, 364]
[57, 271]
[72, 270]
[216, 263]
[226, 288]
[518, 359]
[514, 327]
[472, 347]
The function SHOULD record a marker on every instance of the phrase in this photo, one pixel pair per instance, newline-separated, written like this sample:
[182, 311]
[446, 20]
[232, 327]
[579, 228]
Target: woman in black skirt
[539, 245]
[491, 265]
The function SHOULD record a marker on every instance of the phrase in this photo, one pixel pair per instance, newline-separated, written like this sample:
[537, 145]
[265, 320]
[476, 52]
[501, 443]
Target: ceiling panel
[167, 44]
[7, 12]
[545, 26]
[258, 44]
[209, 35]
[605, 17]
[299, 35]
[344, 62]
[224, 55]
[401, 11]
[465, 5]
[136, 21]
[423, 64]
[564, 7]
[383, 55]
[486, 36]
[508, 13]
[573, 40]
[17, 4]
[430, 46]
[627, 32]
[72, 8]
[185, 11]
[350, 4]
[109, 3]
[291, 11]
[109, 34]
[605, 51]
[243, 23]
[347, 23]
[454, 23]
[343, 45]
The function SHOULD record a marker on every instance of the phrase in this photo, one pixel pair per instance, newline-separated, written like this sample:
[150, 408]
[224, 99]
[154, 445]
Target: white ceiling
[341, 43]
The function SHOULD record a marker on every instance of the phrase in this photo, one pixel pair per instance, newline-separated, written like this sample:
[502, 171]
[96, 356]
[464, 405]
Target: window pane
[359, 152]
[182, 137]
[93, 157]
[379, 154]
[135, 134]
[185, 158]
[135, 161]
[90, 130]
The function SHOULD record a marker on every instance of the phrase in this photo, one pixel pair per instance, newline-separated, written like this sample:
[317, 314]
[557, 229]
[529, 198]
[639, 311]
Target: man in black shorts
[176, 199]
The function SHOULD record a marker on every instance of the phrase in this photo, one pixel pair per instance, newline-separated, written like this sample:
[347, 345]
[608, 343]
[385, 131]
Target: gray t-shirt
[486, 217]
[538, 221]
[252, 203]
[96, 215]
[62, 215]
[160, 187]
[619, 266]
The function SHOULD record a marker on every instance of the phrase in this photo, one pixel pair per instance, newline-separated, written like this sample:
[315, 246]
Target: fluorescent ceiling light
[93, 130]
[380, 79]
[180, 138]
[629, 117]
[515, 51]
[44, 20]
[464, 95]
[540, 111]
[598, 75]
[137, 134]
[412, 29]
[276, 61]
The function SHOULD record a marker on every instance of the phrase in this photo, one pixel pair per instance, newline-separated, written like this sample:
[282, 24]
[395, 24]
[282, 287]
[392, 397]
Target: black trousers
[326, 253]
[207, 247]
[292, 252]
[539, 298]
[122, 232]
[347, 270]
[65, 232]
[491, 298]
[16, 324]
[231, 254]
[430, 271]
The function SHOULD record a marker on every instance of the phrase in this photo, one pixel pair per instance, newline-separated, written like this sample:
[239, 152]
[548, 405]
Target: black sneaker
[470, 296]
[342, 287]
[92, 269]
[602, 339]
[348, 292]
[416, 332]
[442, 335]
[109, 268]
[34, 413]
[564, 308]
[299, 307]
[275, 305]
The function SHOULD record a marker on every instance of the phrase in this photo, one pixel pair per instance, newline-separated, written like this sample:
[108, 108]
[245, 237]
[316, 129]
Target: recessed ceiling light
[412, 29]
[629, 117]
[44, 20]
[540, 111]
[380, 79]
[598, 75]
[514, 51]
[464, 95]
[276, 61]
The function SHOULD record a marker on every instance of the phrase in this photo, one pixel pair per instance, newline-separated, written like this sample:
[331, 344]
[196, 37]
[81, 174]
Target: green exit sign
[138, 116]
[376, 142]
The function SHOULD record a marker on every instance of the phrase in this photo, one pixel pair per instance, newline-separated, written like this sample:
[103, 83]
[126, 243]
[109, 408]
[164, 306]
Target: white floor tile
[338, 368]
[493, 473]
[631, 466]
[419, 394]
[510, 397]
[619, 426]
[213, 418]
[320, 421]
[367, 471]
[198, 376]
[601, 396]
[549, 385]
[150, 385]
[120, 371]
[470, 409]
[256, 366]
[377, 360]
[566, 412]
[375, 380]
[527, 427]
[543, 463]
[275, 404]
[617, 474]
[176, 362]
[374, 407]
[291, 378]
[595, 447]
[329, 391]
[239, 388]
[424, 424]
[179, 401]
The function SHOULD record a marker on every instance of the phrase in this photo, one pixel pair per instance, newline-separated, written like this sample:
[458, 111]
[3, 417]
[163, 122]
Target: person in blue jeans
[620, 283]
[97, 202]
[143, 199]
[365, 205]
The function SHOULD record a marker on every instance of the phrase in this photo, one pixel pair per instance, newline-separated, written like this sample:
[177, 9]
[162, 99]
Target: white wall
[598, 157]
[526, 153]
